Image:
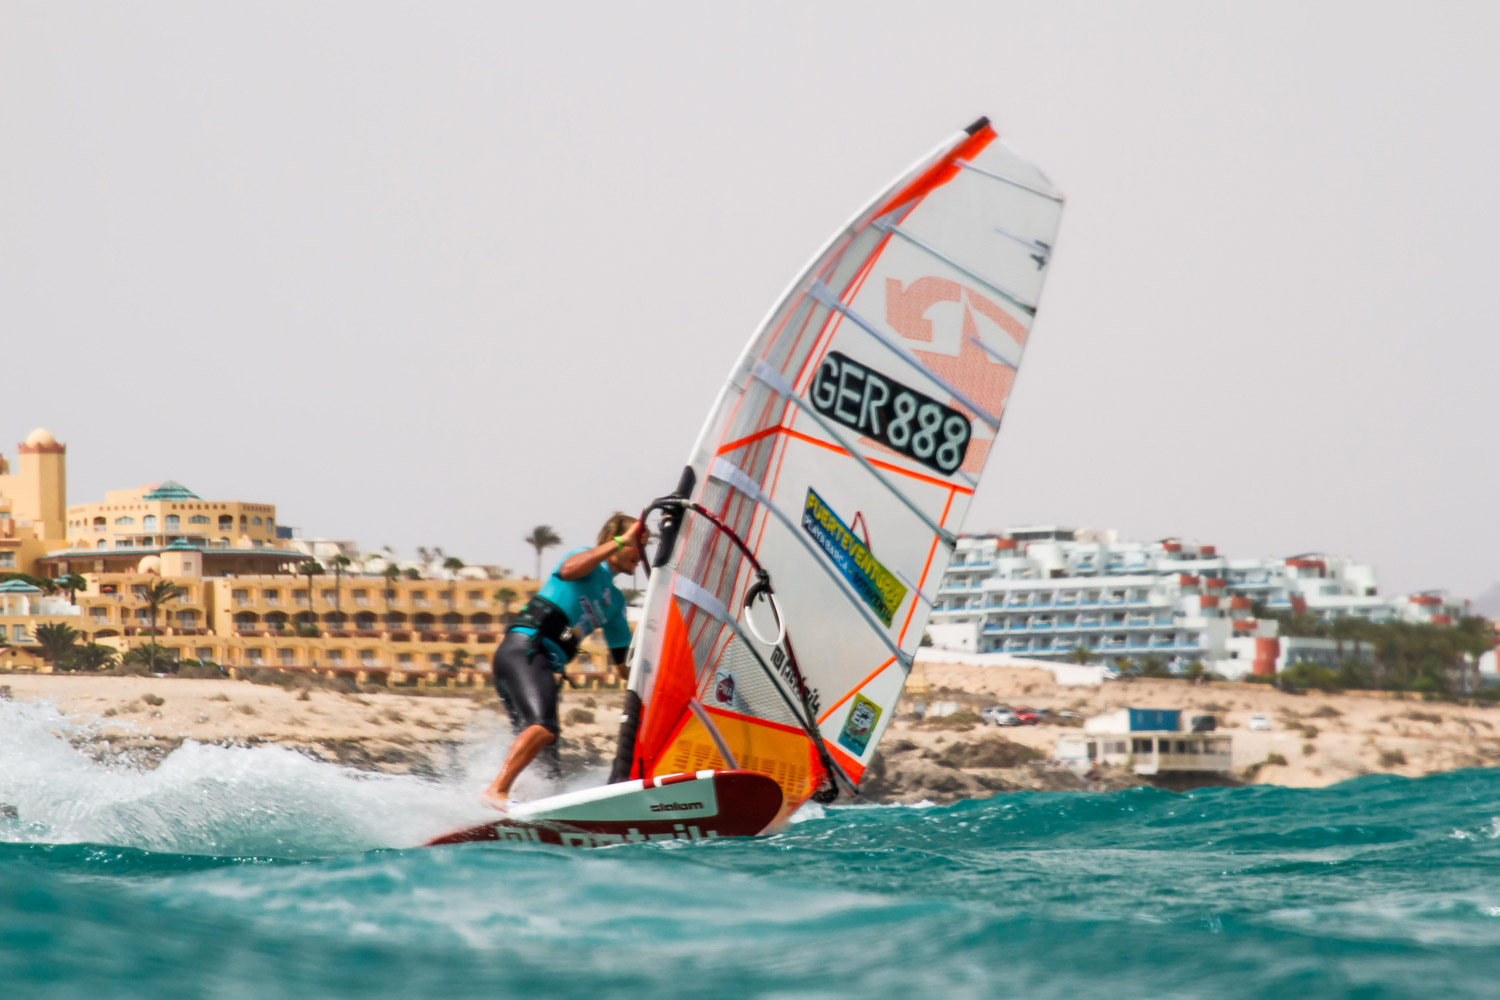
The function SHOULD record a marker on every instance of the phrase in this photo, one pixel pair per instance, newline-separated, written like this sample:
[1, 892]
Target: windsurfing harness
[551, 630]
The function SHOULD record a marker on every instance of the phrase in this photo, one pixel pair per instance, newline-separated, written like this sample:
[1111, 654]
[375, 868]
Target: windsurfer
[579, 597]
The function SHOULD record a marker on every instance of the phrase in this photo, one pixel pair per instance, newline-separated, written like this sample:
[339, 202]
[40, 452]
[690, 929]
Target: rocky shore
[1313, 740]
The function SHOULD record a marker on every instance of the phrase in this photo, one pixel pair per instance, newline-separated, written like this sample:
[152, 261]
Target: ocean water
[260, 873]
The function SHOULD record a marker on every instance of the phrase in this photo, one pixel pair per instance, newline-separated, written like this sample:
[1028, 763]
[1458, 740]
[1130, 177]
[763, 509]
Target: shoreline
[1318, 739]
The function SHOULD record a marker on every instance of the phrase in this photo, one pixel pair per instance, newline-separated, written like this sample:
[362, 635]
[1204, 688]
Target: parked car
[999, 715]
[1027, 717]
[1259, 722]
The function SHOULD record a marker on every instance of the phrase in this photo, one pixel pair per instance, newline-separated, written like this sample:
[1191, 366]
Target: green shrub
[1275, 760]
[1392, 758]
[1303, 676]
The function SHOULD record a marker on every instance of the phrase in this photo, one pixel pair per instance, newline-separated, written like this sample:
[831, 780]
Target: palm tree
[339, 563]
[506, 596]
[460, 659]
[56, 639]
[392, 574]
[1081, 654]
[144, 656]
[452, 564]
[72, 583]
[92, 657]
[155, 595]
[310, 569]
[542, 537]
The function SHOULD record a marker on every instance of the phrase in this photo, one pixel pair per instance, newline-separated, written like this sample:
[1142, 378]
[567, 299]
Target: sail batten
[896, 346]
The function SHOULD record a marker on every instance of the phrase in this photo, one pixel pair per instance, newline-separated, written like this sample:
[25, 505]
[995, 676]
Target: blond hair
[619, 522]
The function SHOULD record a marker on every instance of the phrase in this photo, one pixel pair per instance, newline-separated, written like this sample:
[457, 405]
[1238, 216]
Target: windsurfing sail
[833, 475]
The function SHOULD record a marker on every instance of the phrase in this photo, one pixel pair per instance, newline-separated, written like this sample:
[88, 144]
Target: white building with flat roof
[1046, 591]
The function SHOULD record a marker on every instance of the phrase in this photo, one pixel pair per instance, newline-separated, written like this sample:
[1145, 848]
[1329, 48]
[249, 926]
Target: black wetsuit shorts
[526, 683]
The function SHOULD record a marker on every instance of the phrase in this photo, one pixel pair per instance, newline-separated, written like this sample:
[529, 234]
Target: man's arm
[581, 564]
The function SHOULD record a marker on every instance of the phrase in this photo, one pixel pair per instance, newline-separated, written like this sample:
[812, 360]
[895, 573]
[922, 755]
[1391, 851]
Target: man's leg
[522, 752]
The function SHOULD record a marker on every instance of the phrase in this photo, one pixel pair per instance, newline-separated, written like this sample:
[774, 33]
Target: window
[271, 596]
[148, 522]
[403, 658]
[336, 657]
[7, 560]
[255, 521]
[328, 596]
[204, 653]
[124, 521]
[197, 519]
[367, 657]
[436, 659]
[17, 633]
[242, 596]
[1140, 746]
[476, 597]
[174, 523]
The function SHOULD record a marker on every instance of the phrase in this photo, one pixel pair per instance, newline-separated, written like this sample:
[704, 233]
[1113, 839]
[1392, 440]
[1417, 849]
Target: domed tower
[40, 483]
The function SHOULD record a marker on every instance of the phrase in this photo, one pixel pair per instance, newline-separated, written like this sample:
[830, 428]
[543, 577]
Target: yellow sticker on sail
[877, 586]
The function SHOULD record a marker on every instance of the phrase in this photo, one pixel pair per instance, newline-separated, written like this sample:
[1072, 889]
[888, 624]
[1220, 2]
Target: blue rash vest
[590, 602]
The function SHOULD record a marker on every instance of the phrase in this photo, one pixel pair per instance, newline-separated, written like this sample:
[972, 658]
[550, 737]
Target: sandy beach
[1323, 739]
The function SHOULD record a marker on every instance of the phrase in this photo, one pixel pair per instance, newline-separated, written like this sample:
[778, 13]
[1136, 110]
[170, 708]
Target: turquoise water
[259, 873]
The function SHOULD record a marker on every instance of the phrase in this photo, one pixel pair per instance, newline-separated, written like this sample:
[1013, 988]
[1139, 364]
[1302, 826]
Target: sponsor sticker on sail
[877, 586]
[859, 724]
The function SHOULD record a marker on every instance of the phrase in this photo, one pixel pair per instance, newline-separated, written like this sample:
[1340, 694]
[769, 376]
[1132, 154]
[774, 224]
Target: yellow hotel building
[241, 601]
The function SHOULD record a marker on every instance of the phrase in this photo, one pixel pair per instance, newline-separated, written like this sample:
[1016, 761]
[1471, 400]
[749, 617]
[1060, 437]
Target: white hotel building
[1041, 592]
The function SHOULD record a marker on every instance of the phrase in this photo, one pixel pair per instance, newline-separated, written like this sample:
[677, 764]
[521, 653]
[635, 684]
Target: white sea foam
[205, 799]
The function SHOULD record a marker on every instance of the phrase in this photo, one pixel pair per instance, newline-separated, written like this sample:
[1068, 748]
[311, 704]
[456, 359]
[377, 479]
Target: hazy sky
[432, 274]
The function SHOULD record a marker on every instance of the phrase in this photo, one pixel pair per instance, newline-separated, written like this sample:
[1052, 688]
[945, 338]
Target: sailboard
[701, 806]
[799, 557]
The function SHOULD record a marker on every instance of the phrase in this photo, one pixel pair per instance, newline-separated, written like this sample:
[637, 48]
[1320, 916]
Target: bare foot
[495, 800]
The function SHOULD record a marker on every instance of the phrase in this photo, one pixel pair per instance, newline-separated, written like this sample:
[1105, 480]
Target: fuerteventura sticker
[877, 586]
[859, 724]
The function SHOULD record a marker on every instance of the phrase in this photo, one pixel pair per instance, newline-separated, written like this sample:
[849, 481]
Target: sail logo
[878, 407]
[724, 690]
[877, 586]
[859, 725]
